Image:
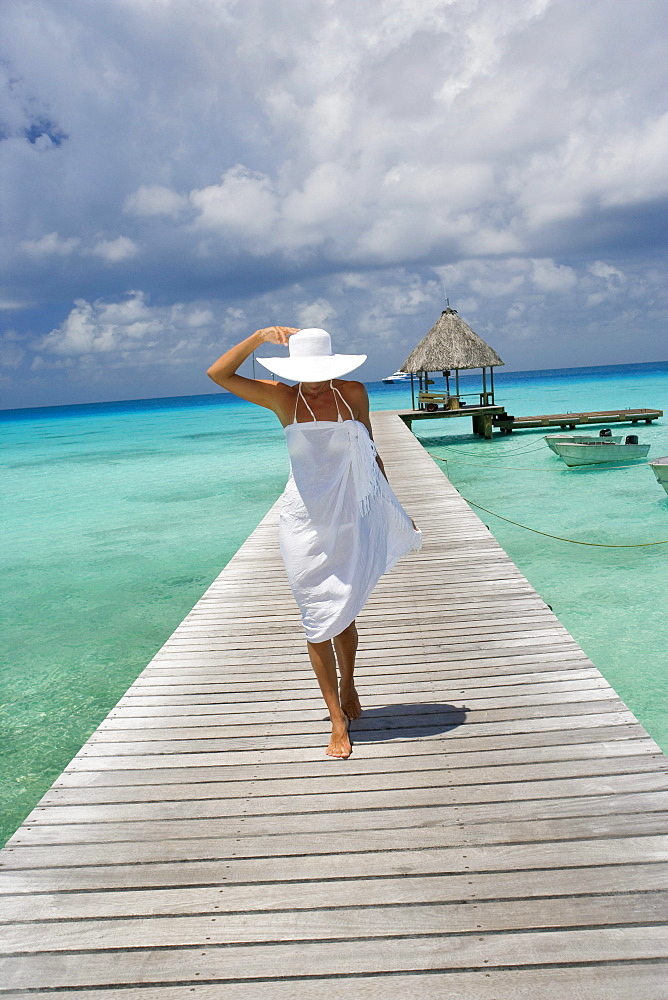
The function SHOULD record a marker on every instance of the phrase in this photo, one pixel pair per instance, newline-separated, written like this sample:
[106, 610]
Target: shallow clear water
[118, 516]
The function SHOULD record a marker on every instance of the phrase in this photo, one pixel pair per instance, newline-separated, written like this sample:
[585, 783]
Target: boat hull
[553, 439]
[601, 453]
[660, 470]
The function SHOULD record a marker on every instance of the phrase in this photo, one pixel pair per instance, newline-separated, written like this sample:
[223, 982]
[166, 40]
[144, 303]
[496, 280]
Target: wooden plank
[221, 802]
[189, 783]
[308, 895]
[288, 845]
[616, 909]
[407, 756]
[238, 963]
[351, 866]
[199, 824]
[610, 728]
[596, 982]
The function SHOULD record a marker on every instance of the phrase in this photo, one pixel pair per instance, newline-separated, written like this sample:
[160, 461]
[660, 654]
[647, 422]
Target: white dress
[341, 526]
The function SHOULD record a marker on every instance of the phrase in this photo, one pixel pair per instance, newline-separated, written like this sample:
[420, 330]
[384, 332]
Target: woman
[341, 526]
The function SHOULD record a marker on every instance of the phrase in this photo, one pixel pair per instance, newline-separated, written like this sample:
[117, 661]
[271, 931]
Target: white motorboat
[602, 450]
[396, 377]
[660, 470]
[553, 439]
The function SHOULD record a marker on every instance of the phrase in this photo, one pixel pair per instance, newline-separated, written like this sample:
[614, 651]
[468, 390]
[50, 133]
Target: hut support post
[491, 381]
[412, 392]
[484, 386]
[457, 382]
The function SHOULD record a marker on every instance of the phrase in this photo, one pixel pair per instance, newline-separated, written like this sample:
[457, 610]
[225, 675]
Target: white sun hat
[311, 358]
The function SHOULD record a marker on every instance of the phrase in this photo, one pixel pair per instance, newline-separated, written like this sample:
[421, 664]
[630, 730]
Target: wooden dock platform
[482, 417]
[497, 834]
[485, 418]
[572, 420]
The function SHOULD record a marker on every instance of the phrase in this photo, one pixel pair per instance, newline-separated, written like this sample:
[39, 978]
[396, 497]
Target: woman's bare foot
[340, 745]
[350, 703]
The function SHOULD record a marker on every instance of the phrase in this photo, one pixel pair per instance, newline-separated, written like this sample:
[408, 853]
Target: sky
[175, 174]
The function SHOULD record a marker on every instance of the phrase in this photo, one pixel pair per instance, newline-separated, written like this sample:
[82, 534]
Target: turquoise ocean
[117, 517]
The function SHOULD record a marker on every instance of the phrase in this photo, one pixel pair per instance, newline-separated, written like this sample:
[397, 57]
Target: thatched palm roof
[451, 343]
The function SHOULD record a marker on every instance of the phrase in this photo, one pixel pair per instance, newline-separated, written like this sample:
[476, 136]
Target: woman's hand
[276, 334]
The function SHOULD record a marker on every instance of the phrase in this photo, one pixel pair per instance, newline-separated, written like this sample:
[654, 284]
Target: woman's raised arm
[261, 391]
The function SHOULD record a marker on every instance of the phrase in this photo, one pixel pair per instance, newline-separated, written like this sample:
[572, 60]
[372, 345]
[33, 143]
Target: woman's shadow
[394, 722]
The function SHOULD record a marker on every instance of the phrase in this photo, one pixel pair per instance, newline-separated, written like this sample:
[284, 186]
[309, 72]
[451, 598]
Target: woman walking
[341, 526]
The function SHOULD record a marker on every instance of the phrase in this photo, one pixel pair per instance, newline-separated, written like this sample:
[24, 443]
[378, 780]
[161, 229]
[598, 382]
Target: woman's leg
[345, 645]
[324, 665]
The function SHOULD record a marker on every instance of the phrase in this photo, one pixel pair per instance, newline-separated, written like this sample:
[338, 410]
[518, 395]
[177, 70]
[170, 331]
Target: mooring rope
[573, 541]
[520, 451]
[560, 538]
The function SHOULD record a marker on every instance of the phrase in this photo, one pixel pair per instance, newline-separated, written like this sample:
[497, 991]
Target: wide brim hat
[311, 358]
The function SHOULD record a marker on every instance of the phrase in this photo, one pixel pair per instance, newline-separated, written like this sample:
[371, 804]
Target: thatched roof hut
[450, 344]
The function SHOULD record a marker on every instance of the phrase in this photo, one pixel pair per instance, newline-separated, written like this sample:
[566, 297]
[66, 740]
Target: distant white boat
[660, 470]
[554, 439]
[602, 450]
[397, 377]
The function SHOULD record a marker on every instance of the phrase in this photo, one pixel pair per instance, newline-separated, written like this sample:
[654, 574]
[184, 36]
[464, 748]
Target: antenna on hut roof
[445, 296]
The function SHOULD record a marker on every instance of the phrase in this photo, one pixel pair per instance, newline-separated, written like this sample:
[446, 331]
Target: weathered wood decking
[497, 833]
[485, 418]
[573, 420]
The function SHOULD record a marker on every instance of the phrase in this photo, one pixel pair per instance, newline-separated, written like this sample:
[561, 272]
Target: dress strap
[337, 393]
[300, 394]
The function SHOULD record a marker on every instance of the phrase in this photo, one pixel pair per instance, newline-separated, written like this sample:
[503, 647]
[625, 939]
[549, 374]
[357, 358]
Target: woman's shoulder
[355, 390]
[356, 397]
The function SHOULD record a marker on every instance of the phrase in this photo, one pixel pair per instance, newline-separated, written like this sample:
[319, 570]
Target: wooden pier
[573, 420]
[482, 417]
[498, 833]
[485, 418]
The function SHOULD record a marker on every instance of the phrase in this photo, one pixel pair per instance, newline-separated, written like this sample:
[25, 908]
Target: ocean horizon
[211, 398]
[119, 514]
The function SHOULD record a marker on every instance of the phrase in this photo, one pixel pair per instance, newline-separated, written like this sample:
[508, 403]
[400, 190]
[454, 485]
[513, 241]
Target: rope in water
[519, 451]
[573, 541]
[519, 468]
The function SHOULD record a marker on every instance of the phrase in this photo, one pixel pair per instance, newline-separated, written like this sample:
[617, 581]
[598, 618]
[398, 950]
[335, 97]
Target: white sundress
[341, 526]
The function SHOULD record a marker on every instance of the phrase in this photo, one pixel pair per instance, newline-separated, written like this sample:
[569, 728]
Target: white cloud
[128, 325]
[242, 205]
[155, 199]
[610, 274]
[115, 251]
[50, 243]
[550, 277]
[314, 314]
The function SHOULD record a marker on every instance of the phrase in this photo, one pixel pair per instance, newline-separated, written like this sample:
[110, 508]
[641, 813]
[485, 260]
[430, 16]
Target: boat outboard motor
[605, 433]
[631, 439]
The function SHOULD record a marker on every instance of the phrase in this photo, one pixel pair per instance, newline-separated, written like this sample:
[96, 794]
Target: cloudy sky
[177, 173]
